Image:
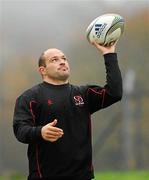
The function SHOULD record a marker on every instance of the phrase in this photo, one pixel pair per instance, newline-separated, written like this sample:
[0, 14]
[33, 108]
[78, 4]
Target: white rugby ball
[105, 29]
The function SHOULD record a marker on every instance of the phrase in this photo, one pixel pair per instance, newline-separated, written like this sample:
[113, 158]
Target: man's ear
[42, 70]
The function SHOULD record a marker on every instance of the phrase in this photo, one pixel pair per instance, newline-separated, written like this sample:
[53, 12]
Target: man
[53, 117]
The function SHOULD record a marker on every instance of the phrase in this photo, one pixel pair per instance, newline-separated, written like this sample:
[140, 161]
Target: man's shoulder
[84, 88]
[31, 92]
[80, 88]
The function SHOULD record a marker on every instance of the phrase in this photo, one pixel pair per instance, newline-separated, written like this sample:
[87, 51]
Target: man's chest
[60, 104]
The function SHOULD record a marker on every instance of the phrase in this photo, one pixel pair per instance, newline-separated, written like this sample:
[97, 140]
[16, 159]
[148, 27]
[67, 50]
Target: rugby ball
[105, 29]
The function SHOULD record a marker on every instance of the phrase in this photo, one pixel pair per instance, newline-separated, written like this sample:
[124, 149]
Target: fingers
[51, 133]
[105, 49]
[54, 131]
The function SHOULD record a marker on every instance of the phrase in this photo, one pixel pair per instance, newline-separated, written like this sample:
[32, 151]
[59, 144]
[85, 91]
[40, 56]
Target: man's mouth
[63, 68]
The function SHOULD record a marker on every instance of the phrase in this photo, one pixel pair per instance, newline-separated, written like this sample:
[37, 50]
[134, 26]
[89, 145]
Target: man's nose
[62, 61]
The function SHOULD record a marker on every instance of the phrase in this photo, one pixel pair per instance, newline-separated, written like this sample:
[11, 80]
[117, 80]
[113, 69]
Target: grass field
[132, 175]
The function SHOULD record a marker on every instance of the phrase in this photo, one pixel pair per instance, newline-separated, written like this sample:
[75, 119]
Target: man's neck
[55, 82]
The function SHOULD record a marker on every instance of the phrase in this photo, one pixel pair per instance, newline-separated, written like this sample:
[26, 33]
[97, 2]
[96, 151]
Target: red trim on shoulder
[101, 92]
[103, 97]
[94, 91]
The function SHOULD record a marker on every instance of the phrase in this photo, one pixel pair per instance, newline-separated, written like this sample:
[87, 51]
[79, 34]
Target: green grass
[128, 175]
[12, 177]
[118, 175]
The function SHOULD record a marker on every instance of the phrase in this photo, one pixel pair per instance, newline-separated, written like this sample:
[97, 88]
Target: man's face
[57, 67]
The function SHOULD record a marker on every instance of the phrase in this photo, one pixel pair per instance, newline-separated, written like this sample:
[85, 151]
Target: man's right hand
[51, 133]
[105, 49]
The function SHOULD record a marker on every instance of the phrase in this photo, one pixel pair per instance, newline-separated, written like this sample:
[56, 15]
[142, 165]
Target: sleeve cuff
[110, 56]
[38, 135]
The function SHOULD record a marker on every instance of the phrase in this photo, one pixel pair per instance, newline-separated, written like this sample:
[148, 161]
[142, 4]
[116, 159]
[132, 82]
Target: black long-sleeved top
[70, 157]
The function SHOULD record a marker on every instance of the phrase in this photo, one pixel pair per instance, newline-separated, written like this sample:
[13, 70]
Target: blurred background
[28, 27]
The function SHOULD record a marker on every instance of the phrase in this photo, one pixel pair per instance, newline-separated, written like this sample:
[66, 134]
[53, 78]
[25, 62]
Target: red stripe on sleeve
[37, 151]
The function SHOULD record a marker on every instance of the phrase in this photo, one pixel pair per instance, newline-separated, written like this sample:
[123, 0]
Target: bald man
[53, 117]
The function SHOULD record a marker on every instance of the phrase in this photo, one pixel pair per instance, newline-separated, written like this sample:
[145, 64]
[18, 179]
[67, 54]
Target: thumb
[53, 123]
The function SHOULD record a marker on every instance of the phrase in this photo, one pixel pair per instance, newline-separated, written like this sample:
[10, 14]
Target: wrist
[38, 132]
[109, 50]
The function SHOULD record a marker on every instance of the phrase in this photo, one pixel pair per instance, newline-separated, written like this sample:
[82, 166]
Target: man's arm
[25, 127]
[101, 97]
[24, 121]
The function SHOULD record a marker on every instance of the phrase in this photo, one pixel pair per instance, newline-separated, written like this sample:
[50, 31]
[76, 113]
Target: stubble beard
[60, 77]
[63, 77]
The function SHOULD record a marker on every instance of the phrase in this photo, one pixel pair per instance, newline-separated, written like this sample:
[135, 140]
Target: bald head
[47, 55]
[51, 51]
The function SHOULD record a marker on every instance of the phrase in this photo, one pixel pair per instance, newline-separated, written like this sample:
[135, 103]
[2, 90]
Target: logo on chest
[50, 102]
[78, 100]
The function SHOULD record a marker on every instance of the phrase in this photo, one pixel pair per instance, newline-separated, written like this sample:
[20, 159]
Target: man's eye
[64, 58]
[54, 60]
